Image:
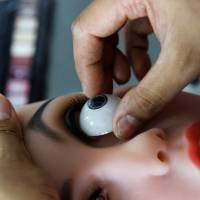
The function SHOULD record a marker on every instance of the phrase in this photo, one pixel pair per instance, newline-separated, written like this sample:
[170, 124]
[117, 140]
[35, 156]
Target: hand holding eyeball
[97, 115]
[99, 61]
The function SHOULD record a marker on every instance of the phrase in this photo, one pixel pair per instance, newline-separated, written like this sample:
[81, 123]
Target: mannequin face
[161, 162]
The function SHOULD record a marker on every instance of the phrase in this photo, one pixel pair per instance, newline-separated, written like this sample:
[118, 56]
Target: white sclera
[96, 122]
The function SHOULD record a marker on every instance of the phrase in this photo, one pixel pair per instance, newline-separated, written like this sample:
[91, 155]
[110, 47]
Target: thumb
[163, 82]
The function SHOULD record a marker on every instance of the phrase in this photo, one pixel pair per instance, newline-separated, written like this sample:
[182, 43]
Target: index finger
[100, 20]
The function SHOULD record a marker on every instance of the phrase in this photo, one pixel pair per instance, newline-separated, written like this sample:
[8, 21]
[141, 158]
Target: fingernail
[5, 108]
[126, 127]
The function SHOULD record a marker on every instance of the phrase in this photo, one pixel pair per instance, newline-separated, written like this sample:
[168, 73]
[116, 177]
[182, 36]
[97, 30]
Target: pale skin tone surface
[154, 163]
[99, 62]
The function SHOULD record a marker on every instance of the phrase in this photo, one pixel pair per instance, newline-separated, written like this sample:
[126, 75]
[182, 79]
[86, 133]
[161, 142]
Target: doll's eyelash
[98, 194]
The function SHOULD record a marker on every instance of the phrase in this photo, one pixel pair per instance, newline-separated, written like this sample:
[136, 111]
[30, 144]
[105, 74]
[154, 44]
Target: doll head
[161, 162]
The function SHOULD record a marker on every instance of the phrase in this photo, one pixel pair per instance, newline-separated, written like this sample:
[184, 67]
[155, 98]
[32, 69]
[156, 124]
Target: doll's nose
[151, 146]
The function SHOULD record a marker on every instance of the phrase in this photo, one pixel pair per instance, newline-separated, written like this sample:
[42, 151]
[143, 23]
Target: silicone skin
[160, 163]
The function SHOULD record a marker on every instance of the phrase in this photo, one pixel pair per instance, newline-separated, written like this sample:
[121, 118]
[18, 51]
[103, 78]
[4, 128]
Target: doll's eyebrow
[39, 126]
[36, 123]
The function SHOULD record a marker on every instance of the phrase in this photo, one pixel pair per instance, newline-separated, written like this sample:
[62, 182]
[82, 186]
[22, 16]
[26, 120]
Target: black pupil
[97, 102]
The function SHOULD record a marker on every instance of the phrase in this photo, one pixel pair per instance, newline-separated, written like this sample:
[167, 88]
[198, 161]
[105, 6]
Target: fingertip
[5, 108]
[121, 69]
[125, 123]
[9, 121]
[98, 86]
[141, 63]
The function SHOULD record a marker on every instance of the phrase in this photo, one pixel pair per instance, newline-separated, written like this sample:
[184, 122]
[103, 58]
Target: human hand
[20, 179]
[98, 61]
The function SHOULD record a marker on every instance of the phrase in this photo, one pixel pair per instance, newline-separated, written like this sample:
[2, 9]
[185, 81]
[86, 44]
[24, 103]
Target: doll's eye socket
[97, 102]
[97, 115]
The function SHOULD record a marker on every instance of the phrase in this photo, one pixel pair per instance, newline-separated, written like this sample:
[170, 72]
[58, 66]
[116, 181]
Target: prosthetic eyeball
[97, 114]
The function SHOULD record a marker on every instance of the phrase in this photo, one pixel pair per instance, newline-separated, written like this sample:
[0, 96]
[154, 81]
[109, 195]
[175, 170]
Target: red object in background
[193, 136]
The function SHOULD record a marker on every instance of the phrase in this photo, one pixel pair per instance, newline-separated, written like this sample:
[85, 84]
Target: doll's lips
[193, 137]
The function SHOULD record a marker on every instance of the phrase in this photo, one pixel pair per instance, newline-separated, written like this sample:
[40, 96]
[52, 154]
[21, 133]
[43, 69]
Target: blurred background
[36, 50]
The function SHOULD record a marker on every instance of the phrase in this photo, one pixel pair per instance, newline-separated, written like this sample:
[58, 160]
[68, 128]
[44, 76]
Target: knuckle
[147, 102]
[130, 7]
[8, 128]
[76, 27]
[7, 131]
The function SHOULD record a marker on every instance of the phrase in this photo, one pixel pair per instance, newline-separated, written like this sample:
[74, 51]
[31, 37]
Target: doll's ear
[26, 112]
